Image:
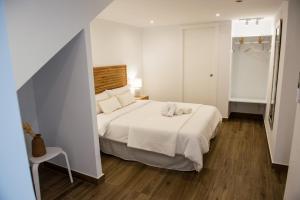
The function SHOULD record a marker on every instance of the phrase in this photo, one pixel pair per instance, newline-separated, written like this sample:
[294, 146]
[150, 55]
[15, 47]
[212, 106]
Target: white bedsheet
[140, 125]
[153, 132]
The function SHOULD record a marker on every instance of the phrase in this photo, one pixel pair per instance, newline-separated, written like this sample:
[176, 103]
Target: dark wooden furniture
[143, 97]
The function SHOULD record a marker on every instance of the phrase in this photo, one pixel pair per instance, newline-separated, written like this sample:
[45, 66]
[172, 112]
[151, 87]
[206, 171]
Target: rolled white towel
[165, 110]
[172, 110]
[187, 110]
[179, 111]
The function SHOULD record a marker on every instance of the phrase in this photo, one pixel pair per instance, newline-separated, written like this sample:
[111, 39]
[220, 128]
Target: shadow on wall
[58, 101]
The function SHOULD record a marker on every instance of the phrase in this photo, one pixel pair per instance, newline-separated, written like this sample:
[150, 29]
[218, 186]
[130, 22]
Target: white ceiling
[171, 12]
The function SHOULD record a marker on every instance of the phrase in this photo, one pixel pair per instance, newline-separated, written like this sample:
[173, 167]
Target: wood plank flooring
[237, 167]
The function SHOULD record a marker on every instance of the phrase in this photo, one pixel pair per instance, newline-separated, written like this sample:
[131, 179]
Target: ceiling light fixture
[248, 20]
[218, 15]
[151, 22]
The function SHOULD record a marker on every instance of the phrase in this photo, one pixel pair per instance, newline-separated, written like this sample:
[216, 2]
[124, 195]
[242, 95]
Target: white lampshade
[137, 83]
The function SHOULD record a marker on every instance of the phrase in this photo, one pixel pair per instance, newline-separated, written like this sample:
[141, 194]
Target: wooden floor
[237, 167]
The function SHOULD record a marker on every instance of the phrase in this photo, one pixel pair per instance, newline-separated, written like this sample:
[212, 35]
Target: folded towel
[187, 110]
[168, 110]
[165, 110]
[172, 110]
[179, 111]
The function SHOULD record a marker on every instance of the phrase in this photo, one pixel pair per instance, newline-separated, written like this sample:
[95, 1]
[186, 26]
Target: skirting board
[225, 119]
[280, 168]
[277, 167]
[76, 174]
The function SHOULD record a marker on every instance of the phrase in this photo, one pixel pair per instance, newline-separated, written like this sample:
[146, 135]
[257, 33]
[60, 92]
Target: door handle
[211, 75]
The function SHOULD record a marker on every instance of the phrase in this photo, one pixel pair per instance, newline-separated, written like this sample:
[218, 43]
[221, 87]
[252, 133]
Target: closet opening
[250, 68]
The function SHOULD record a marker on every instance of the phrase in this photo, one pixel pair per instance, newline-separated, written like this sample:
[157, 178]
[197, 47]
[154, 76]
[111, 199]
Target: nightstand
[143, 97]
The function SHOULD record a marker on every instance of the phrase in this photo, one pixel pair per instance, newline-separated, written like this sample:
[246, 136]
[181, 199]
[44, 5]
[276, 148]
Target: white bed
[139, 132]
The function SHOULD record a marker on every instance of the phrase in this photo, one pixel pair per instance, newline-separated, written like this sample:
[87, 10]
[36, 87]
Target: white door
[200, 63]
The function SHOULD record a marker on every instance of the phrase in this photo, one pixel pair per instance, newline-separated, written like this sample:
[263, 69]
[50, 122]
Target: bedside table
[143, 97]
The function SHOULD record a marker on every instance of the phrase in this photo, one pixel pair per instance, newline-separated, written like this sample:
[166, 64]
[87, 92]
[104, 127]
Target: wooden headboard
[109, 77]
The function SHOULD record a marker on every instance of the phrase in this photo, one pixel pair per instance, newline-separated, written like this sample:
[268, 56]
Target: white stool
[36, 161]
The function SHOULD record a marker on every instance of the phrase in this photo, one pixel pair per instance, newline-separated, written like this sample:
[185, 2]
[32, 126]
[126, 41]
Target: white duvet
[141, 126]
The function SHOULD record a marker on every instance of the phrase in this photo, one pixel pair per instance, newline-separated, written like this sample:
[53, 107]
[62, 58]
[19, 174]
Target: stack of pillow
[111, 100]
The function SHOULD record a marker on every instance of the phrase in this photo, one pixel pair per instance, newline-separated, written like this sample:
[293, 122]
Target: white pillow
[109, 105]
[98, 110]
[100, 97]
[126, 98]
[118, 91]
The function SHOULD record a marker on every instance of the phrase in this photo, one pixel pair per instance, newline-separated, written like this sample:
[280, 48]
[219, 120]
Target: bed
[138, 132]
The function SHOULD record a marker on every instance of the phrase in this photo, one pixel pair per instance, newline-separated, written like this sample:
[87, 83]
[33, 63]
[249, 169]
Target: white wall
[272, 133]
[280, 137]
[240, 29]
[163, 64]
[114, 44]
[224, 68]
[15, 181]
[28, 110]
[63, 91]
[287, 83]
[292, 191]
[38, 29]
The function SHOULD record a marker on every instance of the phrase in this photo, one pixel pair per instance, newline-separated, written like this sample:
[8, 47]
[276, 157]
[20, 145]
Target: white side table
[36, 161]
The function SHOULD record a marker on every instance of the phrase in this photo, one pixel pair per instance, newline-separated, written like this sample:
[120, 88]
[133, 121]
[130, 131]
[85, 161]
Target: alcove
[58, 102]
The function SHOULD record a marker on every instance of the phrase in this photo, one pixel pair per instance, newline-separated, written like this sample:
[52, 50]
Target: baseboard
[225, 119]
[279, 167]
[268, 140]
[75, 174]
[246, 116]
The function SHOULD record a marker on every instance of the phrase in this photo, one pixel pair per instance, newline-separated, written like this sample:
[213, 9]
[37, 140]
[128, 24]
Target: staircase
[37, 30]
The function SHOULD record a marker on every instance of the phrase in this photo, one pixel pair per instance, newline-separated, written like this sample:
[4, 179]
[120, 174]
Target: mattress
[142, 125]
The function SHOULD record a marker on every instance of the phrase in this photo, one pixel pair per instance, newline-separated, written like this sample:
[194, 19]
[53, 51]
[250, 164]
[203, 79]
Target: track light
[248, 20]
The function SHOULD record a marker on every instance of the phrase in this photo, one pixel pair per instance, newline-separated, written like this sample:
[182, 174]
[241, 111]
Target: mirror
[277, 45]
